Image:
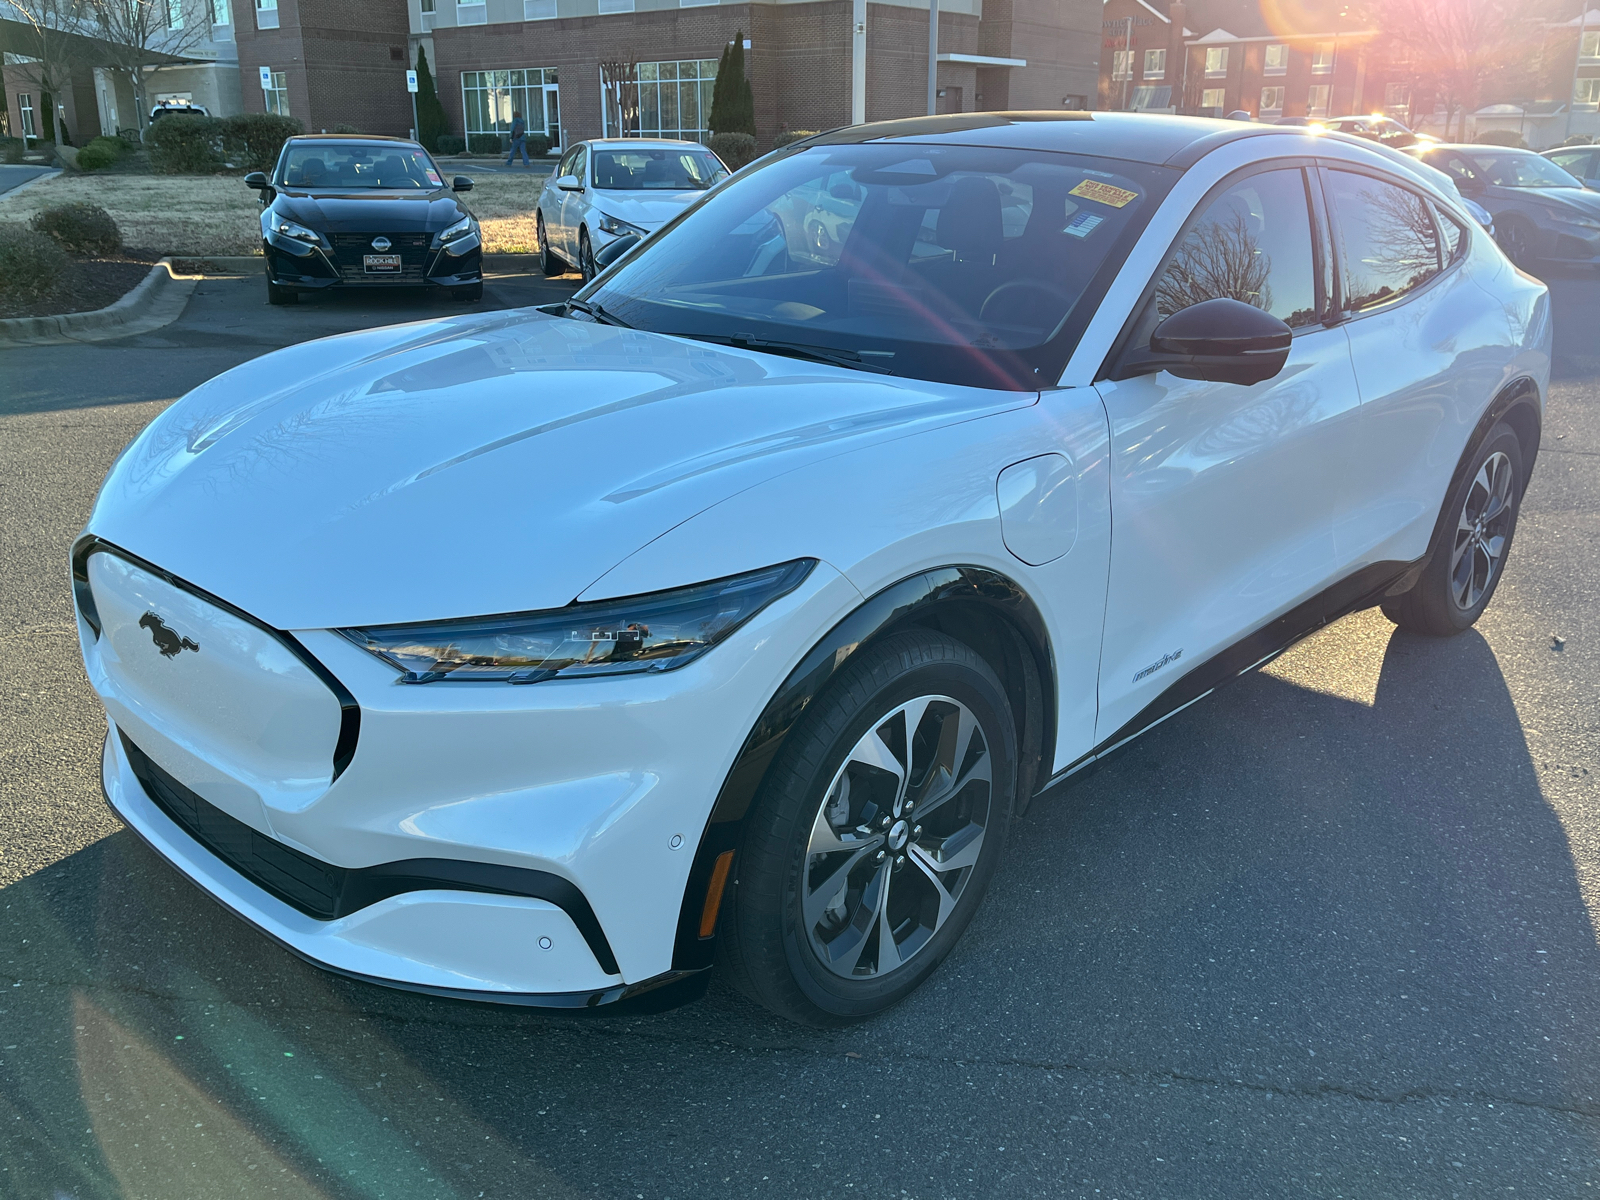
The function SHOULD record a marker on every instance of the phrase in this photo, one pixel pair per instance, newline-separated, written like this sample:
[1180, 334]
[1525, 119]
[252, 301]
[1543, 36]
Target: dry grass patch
[199, 215]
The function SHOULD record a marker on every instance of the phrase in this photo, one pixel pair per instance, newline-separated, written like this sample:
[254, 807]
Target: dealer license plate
[383, 264]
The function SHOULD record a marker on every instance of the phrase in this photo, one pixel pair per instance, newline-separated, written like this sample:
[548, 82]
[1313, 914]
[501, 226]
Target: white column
[933, 57]
[858, 62]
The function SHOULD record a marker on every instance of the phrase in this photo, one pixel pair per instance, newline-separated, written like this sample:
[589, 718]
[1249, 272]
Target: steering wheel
[1048, 290]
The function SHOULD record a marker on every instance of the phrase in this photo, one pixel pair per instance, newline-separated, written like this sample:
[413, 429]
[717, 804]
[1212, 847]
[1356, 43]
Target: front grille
[312, 886]
[351, 249]
[324, 891]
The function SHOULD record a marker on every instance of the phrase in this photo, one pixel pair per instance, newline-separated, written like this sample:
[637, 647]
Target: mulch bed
[89, 283]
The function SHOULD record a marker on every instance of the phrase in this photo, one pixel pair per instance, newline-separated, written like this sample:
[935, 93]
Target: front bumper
[298, 265]
[602, 785]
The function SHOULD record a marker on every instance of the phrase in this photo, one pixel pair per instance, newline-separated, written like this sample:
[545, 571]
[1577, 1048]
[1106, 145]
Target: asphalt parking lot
[1330, 933]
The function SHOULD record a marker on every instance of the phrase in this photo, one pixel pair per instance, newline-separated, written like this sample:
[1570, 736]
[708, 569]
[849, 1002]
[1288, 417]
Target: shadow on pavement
[1282, 892]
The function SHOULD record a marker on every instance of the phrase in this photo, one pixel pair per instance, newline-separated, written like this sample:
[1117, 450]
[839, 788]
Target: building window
[1120, 68]
[1586, 94]
[1277, 60]
[607, 7]
[697, 3]
[221, 12]
[1317, 100]
[266, 14]
[489, 98]
[472, 12]
[1322, 59]
[25, 107]
[1216, 61]
[538, 10]
[674, 100]
[429, 15]
[1155, 64]
[1272, 102]
[277, 96]
[1589, 45]
[1148, 98]
[1213, 98]
[174, 14]
[1396, 95]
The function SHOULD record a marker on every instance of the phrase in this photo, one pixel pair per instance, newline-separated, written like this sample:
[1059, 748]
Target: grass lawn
[216, 214]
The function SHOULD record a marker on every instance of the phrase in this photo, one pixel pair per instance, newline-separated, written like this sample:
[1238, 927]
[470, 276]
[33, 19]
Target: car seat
[309, 173]
[391, 172]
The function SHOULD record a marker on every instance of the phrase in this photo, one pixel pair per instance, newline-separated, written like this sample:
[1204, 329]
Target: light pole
[1127, 62]
[933, 57]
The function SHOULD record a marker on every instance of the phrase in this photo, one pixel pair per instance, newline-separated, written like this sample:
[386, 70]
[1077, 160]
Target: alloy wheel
[585, 257]
[1481, 531]
[896, 837]
[1517, 243]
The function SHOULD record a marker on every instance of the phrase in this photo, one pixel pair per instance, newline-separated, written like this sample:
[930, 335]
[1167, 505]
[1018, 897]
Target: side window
[580, 163]
[1575, 161]
[1388, 244]
[564, 167]
[1252, 243]
[1455, 234]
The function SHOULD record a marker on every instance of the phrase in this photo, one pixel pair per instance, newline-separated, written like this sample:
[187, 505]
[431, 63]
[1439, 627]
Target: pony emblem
[166, 638]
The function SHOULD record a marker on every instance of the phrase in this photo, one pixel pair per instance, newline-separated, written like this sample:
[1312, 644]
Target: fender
[913, 601]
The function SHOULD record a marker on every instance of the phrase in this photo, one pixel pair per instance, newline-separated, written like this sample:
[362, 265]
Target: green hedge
[485, 143]
[792, 135]
[1500, 137]
[11, 149]
[734, 149]
[101, 153]
[449, 143]
[183, 145]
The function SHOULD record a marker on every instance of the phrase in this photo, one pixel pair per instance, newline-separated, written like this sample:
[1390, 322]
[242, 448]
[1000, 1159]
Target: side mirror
[256, 180]
[461, 184]
[1219, 341]
[569, 183]
[611, 251]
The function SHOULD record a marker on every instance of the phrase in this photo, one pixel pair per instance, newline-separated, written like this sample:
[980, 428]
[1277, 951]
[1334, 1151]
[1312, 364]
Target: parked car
[1541, 213]
[344, 211]
[610, 188]
[167, 108]
[1581, 162]
[1378, 128]
[735, 608]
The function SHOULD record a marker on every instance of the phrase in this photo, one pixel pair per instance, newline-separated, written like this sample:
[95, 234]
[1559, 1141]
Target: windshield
[958, 263]
[346, 166]
[663, 170]
[1522, 170]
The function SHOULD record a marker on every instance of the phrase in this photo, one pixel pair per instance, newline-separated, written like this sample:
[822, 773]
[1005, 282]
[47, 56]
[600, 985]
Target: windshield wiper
[591, 309]
[823, 354]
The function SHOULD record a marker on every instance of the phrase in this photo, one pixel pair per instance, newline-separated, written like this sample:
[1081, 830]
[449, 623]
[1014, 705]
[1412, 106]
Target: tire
[586, 266]
[280, 295]
[473, 291]
[1469, 554]
[549, 261]
[1516, 238]
[820, 959]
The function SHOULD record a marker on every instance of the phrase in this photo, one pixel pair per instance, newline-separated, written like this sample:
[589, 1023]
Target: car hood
[647, 210]
[477, 464]
[1561, 201]
[371, 211]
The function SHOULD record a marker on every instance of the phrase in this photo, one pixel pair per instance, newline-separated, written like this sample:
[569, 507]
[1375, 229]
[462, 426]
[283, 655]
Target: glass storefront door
[489, 98]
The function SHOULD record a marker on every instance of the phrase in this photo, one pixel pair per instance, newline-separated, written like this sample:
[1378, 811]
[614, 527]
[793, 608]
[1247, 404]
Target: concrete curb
[50, 173]
[158, 300]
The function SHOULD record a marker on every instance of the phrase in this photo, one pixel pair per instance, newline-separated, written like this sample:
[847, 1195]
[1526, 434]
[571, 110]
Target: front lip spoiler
[669, 990]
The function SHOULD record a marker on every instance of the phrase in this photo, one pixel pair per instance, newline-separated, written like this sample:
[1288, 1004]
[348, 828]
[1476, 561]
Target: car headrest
[969, 221]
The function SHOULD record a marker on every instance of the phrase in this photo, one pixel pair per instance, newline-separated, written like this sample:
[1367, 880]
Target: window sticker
[433, 176]
[1083, 224]
[1103, 193]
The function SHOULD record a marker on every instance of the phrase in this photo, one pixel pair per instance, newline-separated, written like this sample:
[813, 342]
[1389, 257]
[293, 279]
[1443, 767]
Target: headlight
[610, 224]
[459, 230]
[657, 632]
[283, 226]
[1582, 222]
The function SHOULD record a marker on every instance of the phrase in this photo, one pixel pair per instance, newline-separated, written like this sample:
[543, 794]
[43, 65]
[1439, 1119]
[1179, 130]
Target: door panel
[1223, 495]
[1422, 387]
[574, 205]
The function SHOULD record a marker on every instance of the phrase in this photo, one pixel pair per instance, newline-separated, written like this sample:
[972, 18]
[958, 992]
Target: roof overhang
[18, 37]
[983, 60]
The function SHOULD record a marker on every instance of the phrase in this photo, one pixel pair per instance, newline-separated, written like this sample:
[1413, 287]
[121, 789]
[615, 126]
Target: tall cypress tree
[431, 120]
[739, 92]
[717, 122]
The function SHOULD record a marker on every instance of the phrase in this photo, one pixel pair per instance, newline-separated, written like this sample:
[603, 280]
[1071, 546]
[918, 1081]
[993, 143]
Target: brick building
[813, 64]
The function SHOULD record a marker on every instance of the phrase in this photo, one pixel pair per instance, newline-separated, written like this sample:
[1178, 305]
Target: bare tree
[619, 79]
[52, 45]
[142, 36]
[1456, 46]
[1220, 257]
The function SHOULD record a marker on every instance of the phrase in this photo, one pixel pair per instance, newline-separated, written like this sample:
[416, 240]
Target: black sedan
[365, 212]
[1541, 213]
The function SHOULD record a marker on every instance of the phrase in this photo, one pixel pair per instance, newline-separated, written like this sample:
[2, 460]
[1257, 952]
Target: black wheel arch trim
[344, 748]
[916, 601]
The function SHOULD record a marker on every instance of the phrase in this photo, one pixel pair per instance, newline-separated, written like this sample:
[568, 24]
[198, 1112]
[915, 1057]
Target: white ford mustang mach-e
[733, 610]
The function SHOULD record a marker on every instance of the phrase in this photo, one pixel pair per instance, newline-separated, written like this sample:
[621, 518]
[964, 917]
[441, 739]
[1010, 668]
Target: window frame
[1265, 109]
[1159, 57]
[1121, 65]
[1219, 71]
[1268, 67]
[1112, 366]
[1337, 313]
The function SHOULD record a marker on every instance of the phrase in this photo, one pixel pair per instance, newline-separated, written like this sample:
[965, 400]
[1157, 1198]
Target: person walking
[519, 140]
